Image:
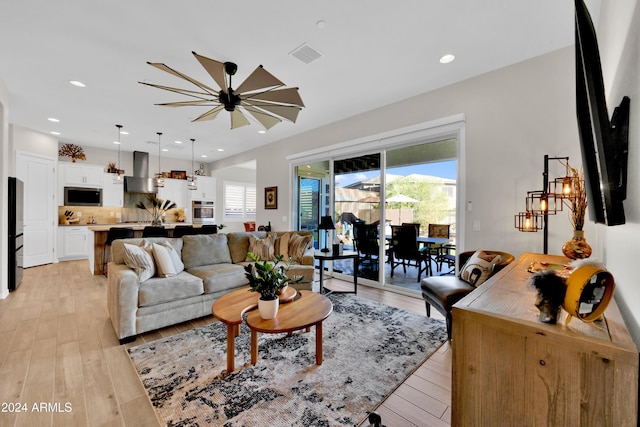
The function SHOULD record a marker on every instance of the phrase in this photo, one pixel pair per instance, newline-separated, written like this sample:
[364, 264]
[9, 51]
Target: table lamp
[326, 224]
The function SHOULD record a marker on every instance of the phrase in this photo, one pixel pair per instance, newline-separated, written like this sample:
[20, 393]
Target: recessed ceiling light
[178, 142]
[203, 155]
[116, 142]
[55, 133]
[54, 120]
[447, 58]
[322, 24]
[165, 149]
[262, 131]
[77, 83]
[220, 149]
[124, 132]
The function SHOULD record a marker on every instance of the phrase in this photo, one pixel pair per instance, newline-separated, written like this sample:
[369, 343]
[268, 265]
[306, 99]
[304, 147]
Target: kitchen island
[98, 237]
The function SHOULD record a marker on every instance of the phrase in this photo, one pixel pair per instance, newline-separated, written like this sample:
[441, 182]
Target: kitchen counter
[100, 232]
[137, 226]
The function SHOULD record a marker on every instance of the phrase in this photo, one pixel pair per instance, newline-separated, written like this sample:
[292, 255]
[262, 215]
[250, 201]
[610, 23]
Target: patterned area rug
[369, 349]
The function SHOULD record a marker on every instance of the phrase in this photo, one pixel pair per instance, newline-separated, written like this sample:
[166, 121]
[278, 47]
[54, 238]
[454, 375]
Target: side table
[330, 256]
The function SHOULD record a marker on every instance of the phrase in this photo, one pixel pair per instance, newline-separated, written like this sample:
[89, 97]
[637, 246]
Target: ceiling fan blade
[214, 68]
[267, 120]
[238, 119]
[186, 103]
[194, 93]
[176, 73]
[259, 79]
[288, 112]
[284, 96]
[209, 115]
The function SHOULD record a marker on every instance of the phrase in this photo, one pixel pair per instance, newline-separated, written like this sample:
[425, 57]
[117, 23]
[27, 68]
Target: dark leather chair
[114, 233]
[151, 231]
[442, 292]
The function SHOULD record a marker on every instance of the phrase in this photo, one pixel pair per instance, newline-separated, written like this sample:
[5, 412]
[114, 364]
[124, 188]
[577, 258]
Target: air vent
[305, 53]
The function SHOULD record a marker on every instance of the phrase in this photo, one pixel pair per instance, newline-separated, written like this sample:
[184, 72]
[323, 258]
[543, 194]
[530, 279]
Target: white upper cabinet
[176, 191]
[112, 192]
[73, 175]
[206, 189]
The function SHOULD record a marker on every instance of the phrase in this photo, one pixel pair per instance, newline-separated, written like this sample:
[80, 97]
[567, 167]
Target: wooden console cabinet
[509, 369]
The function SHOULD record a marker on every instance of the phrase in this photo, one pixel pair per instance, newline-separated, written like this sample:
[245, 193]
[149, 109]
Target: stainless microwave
[78, 196]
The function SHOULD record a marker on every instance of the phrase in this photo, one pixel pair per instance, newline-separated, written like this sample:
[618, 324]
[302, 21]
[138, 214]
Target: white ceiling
[375, 52]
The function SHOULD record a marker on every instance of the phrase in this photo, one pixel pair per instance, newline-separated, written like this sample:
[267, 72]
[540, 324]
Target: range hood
[140, 181]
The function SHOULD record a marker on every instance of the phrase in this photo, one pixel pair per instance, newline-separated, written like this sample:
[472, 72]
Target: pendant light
[158, 180]
[118, 178]
[192, 180]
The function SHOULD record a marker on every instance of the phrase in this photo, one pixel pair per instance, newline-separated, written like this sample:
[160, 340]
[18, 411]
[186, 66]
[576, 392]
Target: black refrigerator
[16, 237]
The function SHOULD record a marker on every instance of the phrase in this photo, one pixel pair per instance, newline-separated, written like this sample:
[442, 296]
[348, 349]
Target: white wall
[514, 116]
[619, 42]
[5, 164]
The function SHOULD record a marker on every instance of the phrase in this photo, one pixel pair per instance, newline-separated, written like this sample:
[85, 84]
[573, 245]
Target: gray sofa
[213, 265]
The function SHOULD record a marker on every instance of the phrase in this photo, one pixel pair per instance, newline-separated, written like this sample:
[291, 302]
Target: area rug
[369, 349]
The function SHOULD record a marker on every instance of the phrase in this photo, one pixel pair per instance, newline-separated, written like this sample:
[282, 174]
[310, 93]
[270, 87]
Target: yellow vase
[577, 248]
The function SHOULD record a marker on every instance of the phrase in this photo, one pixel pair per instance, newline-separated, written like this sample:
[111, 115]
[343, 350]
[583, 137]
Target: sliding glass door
[357, 210]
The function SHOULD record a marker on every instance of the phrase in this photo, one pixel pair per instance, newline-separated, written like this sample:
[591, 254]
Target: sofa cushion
[264, 249]
[282, 244]
[117, 248]
[164, 289]
[239, 244]
[478, 267]
[205, 249]
[220, 277]
[298, 245]
[140, 261]
[168, 262]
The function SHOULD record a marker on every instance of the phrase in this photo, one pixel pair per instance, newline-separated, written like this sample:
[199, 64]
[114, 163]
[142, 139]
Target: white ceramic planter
[268, 309]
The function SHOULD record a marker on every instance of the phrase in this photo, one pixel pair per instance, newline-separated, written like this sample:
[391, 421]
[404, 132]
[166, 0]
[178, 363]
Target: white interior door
[38, 175]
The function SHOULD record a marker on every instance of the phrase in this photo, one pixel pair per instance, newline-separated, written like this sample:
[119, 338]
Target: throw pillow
[478, 268]
[283, 247]
[165, 257]
[263, 248]
[205, 249]
[298, 245]
[140, 261]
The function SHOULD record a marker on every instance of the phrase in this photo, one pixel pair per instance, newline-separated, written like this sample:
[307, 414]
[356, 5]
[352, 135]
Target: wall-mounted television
[603, 142]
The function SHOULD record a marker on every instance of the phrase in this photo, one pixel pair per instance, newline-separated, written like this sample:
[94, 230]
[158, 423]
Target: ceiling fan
[259, 95]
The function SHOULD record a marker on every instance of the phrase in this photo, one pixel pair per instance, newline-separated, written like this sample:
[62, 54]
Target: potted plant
[268, 278]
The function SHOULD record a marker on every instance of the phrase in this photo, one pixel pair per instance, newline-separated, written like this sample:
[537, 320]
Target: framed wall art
[271, 198]
[179, 174]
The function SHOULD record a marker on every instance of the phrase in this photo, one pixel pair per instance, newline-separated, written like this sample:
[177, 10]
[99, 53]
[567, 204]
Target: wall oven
[203, 212]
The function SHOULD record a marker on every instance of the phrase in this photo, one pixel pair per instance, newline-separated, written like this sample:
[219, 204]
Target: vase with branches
[156, 208]
[577, 247]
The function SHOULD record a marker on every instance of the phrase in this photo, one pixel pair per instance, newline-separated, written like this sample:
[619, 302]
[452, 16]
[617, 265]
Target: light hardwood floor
[61, 363]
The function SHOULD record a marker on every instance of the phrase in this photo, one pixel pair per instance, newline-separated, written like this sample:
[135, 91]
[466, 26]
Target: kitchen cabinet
[206, 189]
[176, 191]
[73, 242]
[73, 175]
[511, 369]
[112, 191]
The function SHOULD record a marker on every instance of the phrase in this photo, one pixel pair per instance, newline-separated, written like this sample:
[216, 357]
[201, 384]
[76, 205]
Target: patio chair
[366, 243]
[404, 250]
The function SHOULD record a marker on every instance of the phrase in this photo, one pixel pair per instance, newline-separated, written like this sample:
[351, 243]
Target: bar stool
[206, 229]
[151, 231]
[182, 230]
[114, 234]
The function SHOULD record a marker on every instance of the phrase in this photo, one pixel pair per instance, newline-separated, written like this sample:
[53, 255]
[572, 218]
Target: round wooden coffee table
[230, 309]
[309, 310]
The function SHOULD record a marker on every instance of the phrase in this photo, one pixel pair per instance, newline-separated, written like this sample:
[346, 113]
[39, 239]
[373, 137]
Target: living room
[513, 116]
